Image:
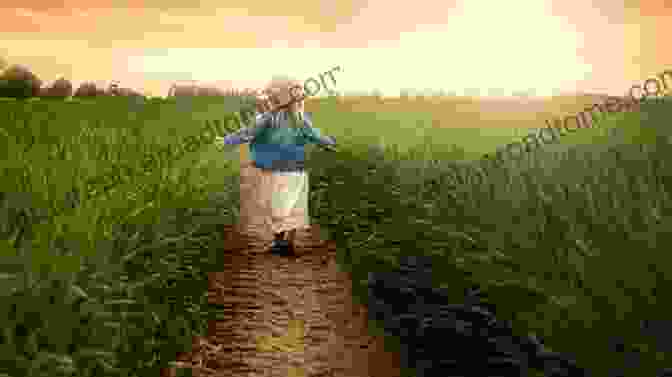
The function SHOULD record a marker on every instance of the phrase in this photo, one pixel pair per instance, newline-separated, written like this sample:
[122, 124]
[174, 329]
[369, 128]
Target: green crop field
[570, 239]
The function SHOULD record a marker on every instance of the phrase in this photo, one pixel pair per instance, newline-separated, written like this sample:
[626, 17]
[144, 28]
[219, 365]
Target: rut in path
[281, 316]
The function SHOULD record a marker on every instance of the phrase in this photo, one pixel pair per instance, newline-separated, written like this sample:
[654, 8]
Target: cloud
[544, 45]
[37, 17]
[166, 18]
[80, 13]
[23, 12]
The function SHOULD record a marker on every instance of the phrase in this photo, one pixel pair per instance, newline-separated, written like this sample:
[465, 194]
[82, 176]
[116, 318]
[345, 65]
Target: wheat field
[571, 239]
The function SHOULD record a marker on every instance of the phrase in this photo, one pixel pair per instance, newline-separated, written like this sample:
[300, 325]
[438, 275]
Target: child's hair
[280, 89]
[261, 106]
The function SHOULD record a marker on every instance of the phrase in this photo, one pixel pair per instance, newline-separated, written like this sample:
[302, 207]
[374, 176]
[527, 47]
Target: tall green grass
[569, 243]
[108, 267]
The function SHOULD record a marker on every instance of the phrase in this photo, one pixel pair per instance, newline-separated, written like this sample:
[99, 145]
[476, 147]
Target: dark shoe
[282, 247]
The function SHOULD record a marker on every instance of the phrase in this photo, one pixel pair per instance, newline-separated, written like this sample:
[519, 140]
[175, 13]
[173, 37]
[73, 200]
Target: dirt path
[286, 316]
[283, 316]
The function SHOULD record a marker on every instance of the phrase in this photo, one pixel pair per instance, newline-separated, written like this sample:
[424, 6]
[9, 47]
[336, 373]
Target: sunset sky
[475, 47]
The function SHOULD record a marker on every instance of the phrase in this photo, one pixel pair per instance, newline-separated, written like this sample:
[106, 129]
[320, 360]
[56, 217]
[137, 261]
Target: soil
[285, 316]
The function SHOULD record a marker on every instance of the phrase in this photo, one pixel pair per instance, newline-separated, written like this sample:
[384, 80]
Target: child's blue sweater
[275, 145]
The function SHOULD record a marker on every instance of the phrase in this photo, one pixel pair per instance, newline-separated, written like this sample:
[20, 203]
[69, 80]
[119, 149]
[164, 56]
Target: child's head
[283, 90]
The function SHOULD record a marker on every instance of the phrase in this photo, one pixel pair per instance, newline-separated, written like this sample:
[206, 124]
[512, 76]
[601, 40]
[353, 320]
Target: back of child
[280, 146]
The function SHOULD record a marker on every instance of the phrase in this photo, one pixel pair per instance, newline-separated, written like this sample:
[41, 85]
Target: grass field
[570, 240]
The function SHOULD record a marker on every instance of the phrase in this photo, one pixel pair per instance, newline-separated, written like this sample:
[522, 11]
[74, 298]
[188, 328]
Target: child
[277, 141]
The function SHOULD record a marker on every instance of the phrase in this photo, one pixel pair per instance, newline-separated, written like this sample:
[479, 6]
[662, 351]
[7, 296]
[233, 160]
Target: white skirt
[276, 201]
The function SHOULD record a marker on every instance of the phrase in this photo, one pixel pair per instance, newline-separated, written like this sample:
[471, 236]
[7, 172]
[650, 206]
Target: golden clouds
[539, 45]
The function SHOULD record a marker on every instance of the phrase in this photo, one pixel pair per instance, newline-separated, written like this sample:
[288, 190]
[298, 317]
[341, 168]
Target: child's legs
[289, 201]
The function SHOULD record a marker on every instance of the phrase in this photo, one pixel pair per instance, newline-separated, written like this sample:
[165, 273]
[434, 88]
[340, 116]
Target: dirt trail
[282, 316]
[286, 316]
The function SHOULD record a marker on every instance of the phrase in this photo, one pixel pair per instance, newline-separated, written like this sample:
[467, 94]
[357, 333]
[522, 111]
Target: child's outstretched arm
[313, 134]
[245, 134]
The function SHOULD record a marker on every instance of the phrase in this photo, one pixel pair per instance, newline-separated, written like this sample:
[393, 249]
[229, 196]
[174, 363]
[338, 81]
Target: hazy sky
[474, 47]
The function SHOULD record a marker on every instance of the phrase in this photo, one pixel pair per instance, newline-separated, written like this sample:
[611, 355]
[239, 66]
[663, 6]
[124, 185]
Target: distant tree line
[17, 81]
[194, 90]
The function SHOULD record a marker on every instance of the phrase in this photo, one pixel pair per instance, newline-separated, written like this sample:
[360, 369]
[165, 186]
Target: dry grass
[462, 112]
